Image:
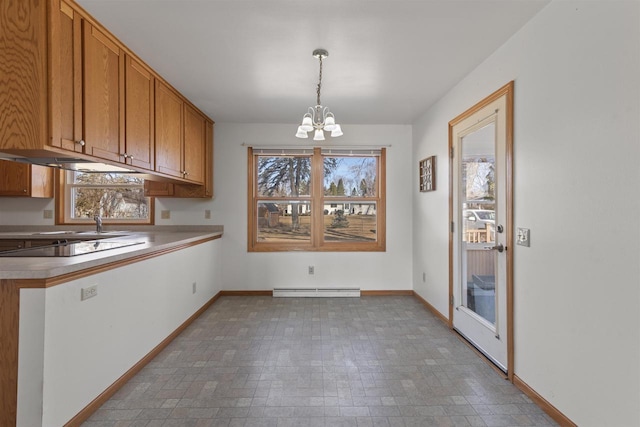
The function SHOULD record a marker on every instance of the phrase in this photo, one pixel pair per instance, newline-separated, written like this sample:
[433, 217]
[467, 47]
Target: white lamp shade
[319, 135]
[307, 124]
[301, 133]
[337, 131]
[329, 123]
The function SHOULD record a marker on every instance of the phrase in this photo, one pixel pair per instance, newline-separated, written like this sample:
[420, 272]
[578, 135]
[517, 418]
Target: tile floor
[284, 362]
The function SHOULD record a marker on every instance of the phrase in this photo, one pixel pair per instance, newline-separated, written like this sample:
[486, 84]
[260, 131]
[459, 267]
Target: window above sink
[116, 197]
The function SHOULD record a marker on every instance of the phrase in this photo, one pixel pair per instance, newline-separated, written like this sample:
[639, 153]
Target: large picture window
[316, 200]
[115, 197]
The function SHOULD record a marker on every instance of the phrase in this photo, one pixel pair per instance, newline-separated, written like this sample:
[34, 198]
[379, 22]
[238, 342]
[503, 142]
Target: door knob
[500, 248]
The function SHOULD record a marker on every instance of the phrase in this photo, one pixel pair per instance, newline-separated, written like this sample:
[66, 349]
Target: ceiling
[249, 61]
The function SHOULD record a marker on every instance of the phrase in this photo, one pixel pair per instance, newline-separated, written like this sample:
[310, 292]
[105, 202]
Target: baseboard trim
[431, 308]
[270, 293]
[246, 293]
[386, 293]
[547, 407]
[96, 403]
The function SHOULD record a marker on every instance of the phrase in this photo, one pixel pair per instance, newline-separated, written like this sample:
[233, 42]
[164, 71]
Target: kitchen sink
[95, 233]
[69, 232]
[52, 233]
[68, 249]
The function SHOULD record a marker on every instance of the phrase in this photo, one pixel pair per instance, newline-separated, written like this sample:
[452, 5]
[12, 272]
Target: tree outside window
[115, 197]
[300, 200]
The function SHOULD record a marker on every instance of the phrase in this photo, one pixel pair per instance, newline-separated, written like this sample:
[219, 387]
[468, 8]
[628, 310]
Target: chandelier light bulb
[329, 123]
[319, 135]
[301, 133]
[336, 132]
[307, 123]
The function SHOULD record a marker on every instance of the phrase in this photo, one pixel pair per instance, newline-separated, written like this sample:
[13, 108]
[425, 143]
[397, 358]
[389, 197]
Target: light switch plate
[522, 238]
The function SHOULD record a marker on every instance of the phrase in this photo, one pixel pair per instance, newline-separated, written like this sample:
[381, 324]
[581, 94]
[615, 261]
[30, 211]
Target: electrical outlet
[311, 269]
[193, 288]
[523, 237]
[88, 292]
[207, 214]
[47, 214]
[165, 214]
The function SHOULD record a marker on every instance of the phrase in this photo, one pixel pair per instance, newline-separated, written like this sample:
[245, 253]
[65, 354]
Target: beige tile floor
[285, 362]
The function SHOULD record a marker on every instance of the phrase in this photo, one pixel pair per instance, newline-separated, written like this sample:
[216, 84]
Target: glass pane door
[478, 220]
[481, 226]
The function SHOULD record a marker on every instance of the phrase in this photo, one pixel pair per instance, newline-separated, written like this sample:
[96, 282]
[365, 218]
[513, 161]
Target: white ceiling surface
[249, 61]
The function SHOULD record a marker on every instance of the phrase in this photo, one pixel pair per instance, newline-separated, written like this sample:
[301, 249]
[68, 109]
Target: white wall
[576, 68]
[85, 346]
[25, 211]
[264, 271]
[30, 211]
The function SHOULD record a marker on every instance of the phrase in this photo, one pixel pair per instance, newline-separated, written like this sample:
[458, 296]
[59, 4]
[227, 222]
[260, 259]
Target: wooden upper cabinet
[139, 114]
[23, 75]
[67, 102]
[167, 189]
[194, 145]
[24, 180]
[103, 95]
[169, 131]
[71, 89]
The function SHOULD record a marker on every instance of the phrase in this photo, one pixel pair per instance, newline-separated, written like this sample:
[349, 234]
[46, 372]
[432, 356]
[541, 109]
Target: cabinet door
[169, 134]
[21, 179]
[14, 178]
[68, 70]
[103, 95]
[167, 189]
[139, 123]
[208, 172]
[194, 145]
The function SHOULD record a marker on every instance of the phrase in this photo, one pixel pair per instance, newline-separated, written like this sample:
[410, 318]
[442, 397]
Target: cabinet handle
[24, 190]
[81, 142]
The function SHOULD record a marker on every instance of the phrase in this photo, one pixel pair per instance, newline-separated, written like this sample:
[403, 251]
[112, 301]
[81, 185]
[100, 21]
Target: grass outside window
[316, 200]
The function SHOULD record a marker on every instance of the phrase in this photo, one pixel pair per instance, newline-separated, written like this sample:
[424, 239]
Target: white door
[481, 225]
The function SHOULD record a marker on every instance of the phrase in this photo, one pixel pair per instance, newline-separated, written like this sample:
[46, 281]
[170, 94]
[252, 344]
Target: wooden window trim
[62, 217]
[317, 200]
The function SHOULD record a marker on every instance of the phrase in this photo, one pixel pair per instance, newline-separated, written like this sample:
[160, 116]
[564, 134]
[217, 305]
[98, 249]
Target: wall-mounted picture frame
[427, 168]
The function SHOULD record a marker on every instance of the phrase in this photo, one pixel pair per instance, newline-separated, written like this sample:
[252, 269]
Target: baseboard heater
[316, 292]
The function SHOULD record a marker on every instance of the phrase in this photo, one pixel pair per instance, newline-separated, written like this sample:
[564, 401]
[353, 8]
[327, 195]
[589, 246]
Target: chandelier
[319, 117]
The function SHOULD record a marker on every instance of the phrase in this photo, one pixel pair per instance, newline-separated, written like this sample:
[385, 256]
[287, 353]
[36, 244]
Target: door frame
[506, 90]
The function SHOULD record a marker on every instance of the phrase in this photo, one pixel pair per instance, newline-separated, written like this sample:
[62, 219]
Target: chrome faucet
[98, 221]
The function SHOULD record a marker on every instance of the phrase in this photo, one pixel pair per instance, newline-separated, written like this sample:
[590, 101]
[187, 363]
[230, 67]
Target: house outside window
[115, 197]
[316, 200]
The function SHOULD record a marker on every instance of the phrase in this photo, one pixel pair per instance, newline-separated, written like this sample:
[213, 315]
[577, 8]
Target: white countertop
[155, 239]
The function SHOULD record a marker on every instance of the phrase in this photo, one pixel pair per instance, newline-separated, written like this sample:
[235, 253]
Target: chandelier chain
[319, 82]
